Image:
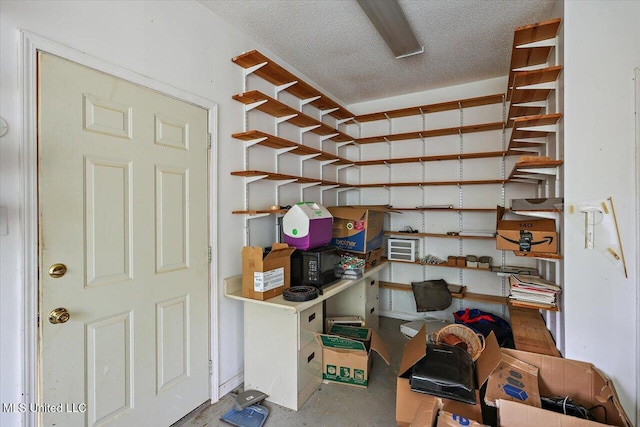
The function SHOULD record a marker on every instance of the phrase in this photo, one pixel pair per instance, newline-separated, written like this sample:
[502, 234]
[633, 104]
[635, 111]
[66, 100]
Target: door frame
[30, 45]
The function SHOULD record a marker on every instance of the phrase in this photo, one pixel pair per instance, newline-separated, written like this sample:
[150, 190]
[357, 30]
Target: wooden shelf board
[528, 57]
[484, 127]
[441, 265]
[437, 158]
[528, 168]
[434, 183]
[448, 209]
[530, 332]
[533, 77]
[516, 110]
[491, 299]
[276, 75]
[543, 255]
[260, 211]
[536, 120]
[529, 95]
[275, 142]
[544, 30]
[431, 108]
[438, 235]
[272, 176]
[276, 108]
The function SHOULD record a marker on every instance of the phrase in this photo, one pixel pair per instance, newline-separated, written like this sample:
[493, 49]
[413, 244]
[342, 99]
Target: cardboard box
[348, 361]
[556, 376]
[371, 258]
[447, 419]
[266, 276]
[358, 228]
[525, 234]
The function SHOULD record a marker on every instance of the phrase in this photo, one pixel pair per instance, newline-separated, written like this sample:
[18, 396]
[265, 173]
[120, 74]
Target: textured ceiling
[333, 43]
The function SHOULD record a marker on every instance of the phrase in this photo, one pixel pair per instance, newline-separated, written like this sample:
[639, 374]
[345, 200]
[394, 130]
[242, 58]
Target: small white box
[402, 250]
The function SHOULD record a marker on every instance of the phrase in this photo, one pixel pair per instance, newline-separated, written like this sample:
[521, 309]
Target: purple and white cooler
[307, 225]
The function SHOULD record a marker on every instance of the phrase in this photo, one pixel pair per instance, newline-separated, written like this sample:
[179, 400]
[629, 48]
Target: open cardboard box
[266, 276]
[346, 358]
[556, 376]
[358, 228]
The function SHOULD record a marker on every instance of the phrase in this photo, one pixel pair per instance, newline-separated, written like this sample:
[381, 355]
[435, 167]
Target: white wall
[175, 42]
[601, 50]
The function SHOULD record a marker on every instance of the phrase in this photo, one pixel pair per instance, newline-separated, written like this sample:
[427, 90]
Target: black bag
[431, 295]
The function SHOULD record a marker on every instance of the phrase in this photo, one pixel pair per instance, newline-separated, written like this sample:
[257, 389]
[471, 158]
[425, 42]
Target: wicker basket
[474, 341]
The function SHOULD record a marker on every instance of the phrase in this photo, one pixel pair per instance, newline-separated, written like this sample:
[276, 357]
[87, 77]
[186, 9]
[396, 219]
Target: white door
[123, 180]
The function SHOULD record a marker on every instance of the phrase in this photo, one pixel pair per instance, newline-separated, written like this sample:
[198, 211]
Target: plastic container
[307, 225]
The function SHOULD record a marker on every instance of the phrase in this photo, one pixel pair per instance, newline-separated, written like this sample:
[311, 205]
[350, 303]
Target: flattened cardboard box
[264, 278]
[358, 228]
[347, 361]
[524, 234]
[556, 377]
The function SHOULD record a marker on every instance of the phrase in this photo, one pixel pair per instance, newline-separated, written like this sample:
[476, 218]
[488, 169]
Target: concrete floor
[333, 405]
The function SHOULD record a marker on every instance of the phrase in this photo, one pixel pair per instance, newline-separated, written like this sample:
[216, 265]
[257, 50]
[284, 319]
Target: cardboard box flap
[488, 360]
[513, 414]
[426, 413]
[414, 350]
[253, 253]
[341, 344]
[279, 250]
[608, 395]
[351, 332]
[514, 380]
[379, 346]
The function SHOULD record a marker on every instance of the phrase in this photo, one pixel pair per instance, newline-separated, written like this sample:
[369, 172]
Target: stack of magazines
[533, 290]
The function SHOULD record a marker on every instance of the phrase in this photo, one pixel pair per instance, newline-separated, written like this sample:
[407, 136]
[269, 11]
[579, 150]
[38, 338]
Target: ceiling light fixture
[392, 24]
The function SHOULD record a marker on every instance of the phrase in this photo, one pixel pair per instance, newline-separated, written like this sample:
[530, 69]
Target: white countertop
[233, 290]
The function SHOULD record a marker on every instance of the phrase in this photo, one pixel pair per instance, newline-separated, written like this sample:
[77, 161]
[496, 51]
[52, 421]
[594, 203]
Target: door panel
[123, 200]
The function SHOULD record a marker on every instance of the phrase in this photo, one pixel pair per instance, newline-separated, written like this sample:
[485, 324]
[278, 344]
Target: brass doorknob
[57, 270]
[59, 315]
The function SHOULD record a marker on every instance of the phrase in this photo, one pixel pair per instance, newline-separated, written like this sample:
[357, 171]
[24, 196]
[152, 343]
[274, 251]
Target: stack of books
[533, 291]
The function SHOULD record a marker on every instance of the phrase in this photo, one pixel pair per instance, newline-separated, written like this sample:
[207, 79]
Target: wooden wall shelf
[535, 171]
[431, 108]
[275, 142]
[528, 130]
[439, 265]
[278, 76]
[491, 299]
[452, 209]
[441, 157]
[272, 176]
[434, 183]
[437, 235]
[484, 127]
[522, 92]
[275, 108]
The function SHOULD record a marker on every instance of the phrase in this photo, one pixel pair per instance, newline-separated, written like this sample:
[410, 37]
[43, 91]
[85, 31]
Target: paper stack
[533, 290]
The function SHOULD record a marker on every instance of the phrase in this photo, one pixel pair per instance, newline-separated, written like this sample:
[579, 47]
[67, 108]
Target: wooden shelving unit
[522, 55]
[265, 68]
[439, 265]
[267, 140]
[266, 104]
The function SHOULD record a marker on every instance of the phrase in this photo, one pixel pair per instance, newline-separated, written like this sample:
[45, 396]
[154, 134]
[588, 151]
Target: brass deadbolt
[59, 315]
[57, 270]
